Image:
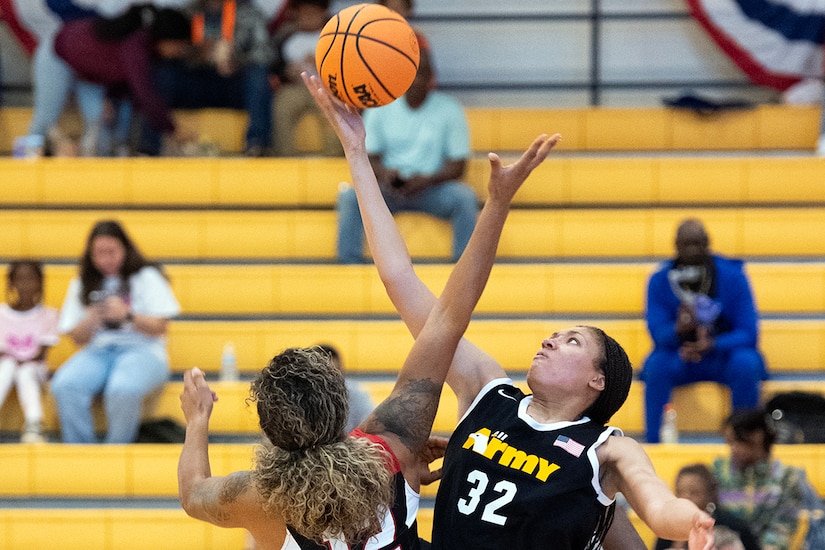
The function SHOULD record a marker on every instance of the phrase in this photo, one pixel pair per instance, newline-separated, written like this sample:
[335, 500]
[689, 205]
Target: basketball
[367, 55]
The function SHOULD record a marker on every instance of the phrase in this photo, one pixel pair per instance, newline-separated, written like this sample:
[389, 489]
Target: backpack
[163, 430]
[799, 417]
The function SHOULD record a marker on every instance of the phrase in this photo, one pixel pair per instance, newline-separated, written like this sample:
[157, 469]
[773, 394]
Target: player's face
[567, 357]
[108, 254]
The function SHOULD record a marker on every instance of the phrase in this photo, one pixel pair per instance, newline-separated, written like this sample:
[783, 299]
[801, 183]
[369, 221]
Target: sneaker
[32, 436]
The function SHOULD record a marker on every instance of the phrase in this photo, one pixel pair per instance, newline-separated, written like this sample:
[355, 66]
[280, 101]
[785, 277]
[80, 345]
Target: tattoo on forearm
[411, 412]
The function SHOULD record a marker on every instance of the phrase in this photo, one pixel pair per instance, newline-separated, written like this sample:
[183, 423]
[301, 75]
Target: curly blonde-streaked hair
[323, 482]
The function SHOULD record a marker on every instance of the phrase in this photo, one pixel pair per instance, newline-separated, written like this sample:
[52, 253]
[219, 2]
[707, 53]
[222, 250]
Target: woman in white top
[118, 310]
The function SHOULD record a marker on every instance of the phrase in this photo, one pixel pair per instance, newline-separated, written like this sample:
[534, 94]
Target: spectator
[418, 146]
[360, 401]
[229, 69]
[697, 483]
[756, 488]
[402, 7]
[27, 330]
[405, 9]
[119, 52]
[703, 321]
[294, 46]
[54, 81]
[118, 310]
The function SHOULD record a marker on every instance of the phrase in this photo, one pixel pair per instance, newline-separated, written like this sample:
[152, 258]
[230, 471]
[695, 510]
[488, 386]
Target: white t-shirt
[22, 333]
[149, 294]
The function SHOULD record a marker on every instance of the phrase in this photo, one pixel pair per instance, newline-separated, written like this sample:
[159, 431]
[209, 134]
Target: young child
[27, 329]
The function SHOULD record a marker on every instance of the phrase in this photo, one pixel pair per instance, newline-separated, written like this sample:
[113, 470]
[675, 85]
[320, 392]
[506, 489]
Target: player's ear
[597, 382]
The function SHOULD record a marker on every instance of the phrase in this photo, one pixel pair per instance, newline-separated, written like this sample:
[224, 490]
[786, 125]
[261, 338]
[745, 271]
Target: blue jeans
[740, 369]
[453, 201]
[124, 375]
[185, 87]
[54, 82]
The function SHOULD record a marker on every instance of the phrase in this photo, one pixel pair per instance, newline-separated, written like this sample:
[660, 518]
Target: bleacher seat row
[585, 233]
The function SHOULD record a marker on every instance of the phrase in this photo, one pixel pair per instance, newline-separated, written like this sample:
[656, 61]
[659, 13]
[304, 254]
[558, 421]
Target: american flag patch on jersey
[571, 446]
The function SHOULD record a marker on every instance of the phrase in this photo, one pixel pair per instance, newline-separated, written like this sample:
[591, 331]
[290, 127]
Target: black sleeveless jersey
[511, 482]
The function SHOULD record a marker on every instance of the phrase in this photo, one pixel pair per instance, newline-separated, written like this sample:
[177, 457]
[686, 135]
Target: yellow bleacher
[537, 288]
[585, 129]
[313, 182]
[586, 233]
[112, 529]
[375, 347]
[574, 233]
[149, 470]
[703, 407]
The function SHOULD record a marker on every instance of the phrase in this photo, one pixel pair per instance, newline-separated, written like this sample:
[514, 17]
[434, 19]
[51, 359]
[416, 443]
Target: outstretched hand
[506, 180]
[345, 120]
[197, 398]
[701, 533]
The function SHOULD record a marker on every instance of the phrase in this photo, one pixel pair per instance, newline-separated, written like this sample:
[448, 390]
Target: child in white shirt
[27, 329]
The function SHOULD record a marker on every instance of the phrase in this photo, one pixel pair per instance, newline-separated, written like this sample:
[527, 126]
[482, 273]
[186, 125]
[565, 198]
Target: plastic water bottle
[669, 433]
[229, 364]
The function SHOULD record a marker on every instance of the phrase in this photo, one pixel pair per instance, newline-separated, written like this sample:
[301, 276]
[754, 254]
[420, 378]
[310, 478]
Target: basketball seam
[369, 67]
[343, 49]
[329, 47]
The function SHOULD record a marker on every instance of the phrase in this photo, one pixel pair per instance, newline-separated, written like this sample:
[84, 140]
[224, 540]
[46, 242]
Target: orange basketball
[367, 55]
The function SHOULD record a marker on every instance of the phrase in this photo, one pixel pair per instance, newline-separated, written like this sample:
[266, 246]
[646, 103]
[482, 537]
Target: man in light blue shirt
[418, 146]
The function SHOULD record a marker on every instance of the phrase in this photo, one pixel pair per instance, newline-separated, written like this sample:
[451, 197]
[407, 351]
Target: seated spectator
[703, 322]
[360, 402]
[229, 69]
[27, 330]
[418, 146]
[756, 488]
[696, 483]
[294, 45]
[54, 82]
[117, 310]
[118, 53]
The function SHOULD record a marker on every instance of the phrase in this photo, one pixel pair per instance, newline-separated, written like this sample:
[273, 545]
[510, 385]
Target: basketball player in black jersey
[315, 486]
[533, 471]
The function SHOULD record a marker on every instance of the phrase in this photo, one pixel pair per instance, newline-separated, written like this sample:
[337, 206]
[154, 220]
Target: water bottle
[669, 433]
[229, 364]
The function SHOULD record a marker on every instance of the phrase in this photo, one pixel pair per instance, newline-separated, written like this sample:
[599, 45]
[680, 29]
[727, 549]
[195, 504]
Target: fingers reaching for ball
[344, 119]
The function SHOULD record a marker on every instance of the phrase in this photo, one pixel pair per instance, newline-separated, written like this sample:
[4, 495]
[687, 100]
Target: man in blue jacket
[702, 319]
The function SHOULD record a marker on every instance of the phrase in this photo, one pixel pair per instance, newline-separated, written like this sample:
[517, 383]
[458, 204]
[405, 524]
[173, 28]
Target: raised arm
[409, 411]
[227, 501]
[471, 367]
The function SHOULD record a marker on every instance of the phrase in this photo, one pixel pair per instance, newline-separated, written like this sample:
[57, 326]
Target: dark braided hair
[618, 374]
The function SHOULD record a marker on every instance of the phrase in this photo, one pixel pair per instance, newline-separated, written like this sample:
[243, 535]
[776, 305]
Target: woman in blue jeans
[118, 310]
